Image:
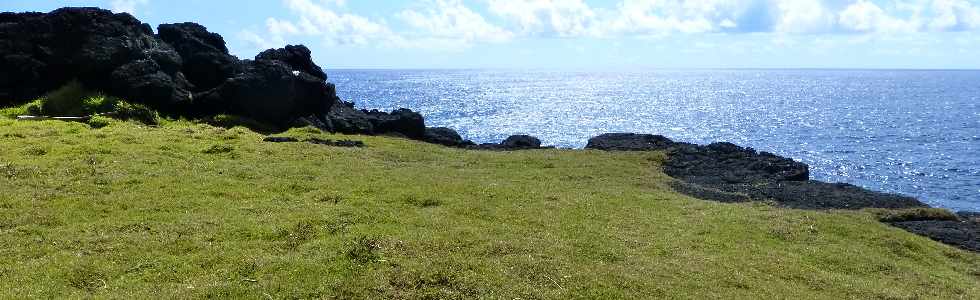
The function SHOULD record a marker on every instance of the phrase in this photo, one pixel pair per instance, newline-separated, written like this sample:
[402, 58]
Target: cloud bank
[455, 24]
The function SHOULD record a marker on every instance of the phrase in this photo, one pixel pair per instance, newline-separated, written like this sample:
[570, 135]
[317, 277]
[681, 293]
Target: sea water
[910, 132]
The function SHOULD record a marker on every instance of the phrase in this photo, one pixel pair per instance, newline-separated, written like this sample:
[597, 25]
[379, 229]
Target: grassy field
[185, 210]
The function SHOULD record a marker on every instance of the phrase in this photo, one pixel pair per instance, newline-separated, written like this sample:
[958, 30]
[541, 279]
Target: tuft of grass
[32, 108]
[99, 121]
[35, 151]
[231, 121]
[72, 99]
[915, 214]
[134, 112]
[75, 100]
[421, 201]
[363, 250]
[132, 211]
[218, 149]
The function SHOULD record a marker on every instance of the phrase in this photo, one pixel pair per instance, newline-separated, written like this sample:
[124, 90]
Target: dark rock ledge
[729, 173]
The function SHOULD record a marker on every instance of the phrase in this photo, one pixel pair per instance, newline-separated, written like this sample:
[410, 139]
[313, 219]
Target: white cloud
[453, 21]
[257, 41]
[803, 16]
[128, 6]
[865, 16]
[955, 15]
[455, 24]
[666, 16]
[278, 27]
[335, 28]
[547, 17]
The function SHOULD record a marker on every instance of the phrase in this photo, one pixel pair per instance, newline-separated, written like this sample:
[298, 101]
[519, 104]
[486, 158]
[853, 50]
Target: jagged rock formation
[184, 70]
[115, 53]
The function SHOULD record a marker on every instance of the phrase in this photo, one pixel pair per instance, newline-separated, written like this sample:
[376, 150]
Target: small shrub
[32, 108]
[99, 121]
[218, 149]
[423, 202]
[67, 100]
[136, 112]
[334, 198]
[363, 250]
[339, 225]
[308, 129]
[98, 103]
[35, 151]
[85, 278]
[915, 214]
[298, 234]
[231, 121]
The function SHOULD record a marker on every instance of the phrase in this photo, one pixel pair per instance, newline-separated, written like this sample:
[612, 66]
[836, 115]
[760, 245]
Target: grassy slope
[189, 210]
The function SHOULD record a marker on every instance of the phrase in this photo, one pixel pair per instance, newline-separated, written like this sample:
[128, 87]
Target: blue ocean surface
[910, 132]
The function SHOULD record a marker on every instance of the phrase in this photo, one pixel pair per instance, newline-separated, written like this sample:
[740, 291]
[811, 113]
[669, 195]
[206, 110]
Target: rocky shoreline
[726, 172]
[184, 70]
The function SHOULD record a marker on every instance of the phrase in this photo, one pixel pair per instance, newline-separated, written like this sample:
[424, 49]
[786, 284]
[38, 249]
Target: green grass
[186, 210]
[74, 100]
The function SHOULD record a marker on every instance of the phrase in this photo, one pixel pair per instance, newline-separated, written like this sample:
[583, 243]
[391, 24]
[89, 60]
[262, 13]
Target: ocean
[903, 131]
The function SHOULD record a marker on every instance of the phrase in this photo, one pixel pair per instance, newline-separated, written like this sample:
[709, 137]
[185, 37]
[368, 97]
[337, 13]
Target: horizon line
[650, 69]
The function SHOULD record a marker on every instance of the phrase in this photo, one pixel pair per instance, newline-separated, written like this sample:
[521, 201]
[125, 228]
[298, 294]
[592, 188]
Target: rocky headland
[183, 70]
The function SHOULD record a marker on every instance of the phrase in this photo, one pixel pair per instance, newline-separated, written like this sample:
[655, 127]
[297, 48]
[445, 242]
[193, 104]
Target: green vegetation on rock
[189, 210]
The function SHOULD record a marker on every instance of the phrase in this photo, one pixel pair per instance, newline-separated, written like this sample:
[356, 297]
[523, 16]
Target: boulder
[402, 121]
[443, 136]
[145, 77]
[521, 142]
[344, 118]
[207, 62]
[514, 142]
[298, 57]
[629, 142]
[270, 91]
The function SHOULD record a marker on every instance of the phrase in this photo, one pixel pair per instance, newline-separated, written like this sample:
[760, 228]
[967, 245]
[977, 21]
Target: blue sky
[584, 34]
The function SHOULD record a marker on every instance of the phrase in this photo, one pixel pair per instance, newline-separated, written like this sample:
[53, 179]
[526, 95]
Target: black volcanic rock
[443, 136]
[521, 142]
[402, 121]
[299, 57]
[726, 172]
[268, 90]
[41, 52]
[206, 60]
[629, 142]
[184, 71]
[963, 234]
[511, 143]
[719, 163]
[344, 118]
[730, 173]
